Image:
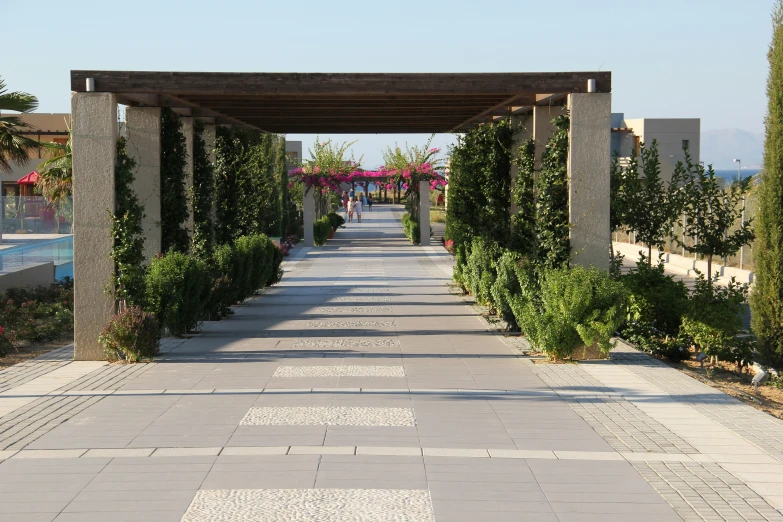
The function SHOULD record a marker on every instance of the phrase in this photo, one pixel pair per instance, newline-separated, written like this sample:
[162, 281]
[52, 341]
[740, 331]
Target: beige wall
[669, 133]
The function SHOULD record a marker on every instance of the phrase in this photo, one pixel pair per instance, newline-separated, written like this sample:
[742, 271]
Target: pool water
[60, 251]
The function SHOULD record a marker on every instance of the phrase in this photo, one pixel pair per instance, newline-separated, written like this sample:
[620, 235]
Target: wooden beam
[489, 112]
[179, 83]
[549, 99]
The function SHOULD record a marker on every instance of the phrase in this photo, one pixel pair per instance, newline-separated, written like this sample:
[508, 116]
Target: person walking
[350, 207]
[345, 203]
[369, 202]
[358, 209]
[351, 193]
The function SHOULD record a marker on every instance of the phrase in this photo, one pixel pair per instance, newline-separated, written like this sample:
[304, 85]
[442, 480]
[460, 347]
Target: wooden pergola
[310, 103]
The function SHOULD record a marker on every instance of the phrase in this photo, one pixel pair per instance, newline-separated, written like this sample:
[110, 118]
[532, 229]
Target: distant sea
[731, 174]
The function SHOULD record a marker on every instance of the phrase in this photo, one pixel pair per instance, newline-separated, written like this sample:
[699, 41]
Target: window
[686, 144]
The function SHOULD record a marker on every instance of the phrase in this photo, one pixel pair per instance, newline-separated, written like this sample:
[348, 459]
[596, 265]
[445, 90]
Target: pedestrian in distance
[344, 199]
[369, 202]
[350, 207]
[358, 208]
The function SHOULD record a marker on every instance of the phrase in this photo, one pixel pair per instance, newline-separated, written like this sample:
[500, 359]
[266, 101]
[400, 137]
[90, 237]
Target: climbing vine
[553, 247]
[173, 197]
[479, 185]
[281, 178]
[127, 284]
[524, 219]
[227, 148]
[248, 179]
[202, 196]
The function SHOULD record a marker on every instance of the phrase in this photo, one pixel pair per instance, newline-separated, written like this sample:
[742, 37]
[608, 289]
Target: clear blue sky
[669, 58]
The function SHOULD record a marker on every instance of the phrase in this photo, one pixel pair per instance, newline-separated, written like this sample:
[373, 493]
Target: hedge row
[558, 309]
[411, 227]
[182, 290]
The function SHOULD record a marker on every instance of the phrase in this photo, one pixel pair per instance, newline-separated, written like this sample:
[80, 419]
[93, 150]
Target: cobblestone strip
[758, 428]
[109, 377]
[705, 492]
[620, 423]
[30, 422]
[22, 373]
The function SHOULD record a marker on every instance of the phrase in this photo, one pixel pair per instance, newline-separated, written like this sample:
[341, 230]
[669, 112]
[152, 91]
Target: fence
[744, 257]
[34, 215]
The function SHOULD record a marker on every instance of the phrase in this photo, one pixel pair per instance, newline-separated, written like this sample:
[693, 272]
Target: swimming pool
[59, 250]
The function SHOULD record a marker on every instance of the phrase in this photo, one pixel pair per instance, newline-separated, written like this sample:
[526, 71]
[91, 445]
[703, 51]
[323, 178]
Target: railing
[35, 215]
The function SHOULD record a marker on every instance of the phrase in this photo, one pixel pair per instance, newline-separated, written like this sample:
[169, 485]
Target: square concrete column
[188, 130]
[143, 128]
[94, 128]
[424, 212]
[543, 128]
[308, 215]
[523, 131]
[589, 159]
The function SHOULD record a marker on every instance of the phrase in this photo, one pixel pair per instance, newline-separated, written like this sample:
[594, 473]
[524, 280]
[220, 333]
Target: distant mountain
[720, 147]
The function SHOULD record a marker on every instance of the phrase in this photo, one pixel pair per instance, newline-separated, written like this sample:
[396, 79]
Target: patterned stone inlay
[358, 299]
[347, 343]
[340, 371]
[354, 310]
[310, 505]
[351, 324]
[328, 416]
[360, 290]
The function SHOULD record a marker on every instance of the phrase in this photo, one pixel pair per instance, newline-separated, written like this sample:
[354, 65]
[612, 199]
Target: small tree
[648, 206]
[617, 199]
[766, 301]
[711, 211]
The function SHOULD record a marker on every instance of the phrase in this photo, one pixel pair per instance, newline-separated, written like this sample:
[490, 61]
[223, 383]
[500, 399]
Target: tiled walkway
[360, 389]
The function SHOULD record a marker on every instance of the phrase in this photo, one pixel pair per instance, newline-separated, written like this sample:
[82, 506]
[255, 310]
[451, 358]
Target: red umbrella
[28, 179]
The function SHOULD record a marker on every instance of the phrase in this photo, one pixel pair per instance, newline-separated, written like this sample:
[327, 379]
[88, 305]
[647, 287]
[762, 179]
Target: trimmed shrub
[132, 335]
[506, 285]
[714, 318]
[336, 220]
[178, 289]
[655, 299]
[648, 339]
[411, 227]
[577, 306]
[480, 271]
[321, 229]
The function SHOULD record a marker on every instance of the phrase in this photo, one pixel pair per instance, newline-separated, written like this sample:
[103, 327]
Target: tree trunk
[709, 269]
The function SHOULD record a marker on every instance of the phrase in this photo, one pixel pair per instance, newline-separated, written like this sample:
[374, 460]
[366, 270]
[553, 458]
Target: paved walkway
[360, 389]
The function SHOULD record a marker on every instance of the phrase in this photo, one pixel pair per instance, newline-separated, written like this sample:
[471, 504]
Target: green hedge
[411, 227]
[182, 290]
[178, 286]
[321, 230]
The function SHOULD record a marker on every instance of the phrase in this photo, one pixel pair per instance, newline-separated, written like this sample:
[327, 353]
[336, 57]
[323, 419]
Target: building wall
[670, 133]
[293, 150]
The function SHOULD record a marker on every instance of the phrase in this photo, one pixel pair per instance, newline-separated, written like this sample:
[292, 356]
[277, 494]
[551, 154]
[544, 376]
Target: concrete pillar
[588, 178]
[523, 131]
[543, 128]
[94, 128]
[308, 215]
[424, 212]
[188, 130]
[143, 128]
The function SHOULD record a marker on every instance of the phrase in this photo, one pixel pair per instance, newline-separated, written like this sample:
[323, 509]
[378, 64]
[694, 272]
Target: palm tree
[55, 177]
[14, 147]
